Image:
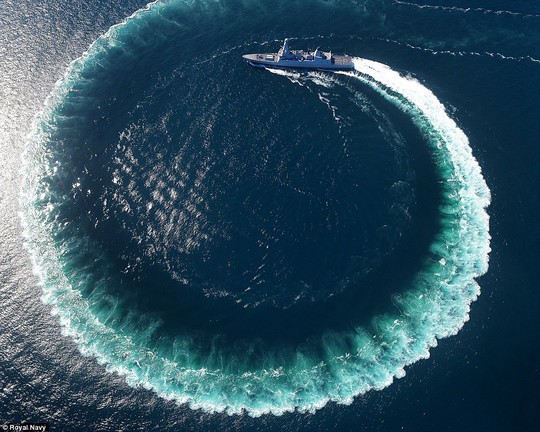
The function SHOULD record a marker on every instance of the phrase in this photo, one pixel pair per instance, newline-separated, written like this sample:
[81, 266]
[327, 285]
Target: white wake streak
[436, 305]
[396, 88]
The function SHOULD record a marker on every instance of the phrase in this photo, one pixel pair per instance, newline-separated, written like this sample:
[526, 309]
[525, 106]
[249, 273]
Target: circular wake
[249, 376]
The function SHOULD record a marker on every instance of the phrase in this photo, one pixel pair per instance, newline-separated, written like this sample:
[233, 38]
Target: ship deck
[340, 62]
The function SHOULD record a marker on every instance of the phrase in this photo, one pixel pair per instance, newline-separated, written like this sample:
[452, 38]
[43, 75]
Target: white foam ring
[435, 305]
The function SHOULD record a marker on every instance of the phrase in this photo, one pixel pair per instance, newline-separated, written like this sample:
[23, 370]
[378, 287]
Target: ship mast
[285, 52]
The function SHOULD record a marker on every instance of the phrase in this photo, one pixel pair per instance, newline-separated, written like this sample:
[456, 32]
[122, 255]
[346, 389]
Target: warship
[286, 58]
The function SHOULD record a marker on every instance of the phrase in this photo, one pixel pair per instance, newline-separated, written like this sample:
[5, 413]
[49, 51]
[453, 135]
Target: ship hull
[339, 63]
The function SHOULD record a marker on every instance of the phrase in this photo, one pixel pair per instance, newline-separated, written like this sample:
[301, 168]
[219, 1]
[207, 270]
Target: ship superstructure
[286, 58]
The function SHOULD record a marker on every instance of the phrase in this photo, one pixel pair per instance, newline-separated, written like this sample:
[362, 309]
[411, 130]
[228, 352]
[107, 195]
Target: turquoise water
[250, 241]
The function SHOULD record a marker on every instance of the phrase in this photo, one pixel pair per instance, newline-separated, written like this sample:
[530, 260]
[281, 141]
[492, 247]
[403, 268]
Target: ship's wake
[348, 363]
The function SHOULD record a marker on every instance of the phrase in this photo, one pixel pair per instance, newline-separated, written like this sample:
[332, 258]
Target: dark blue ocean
[192, 243]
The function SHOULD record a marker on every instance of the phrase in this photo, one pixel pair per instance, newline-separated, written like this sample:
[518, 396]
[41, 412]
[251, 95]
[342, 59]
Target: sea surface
[192, 243]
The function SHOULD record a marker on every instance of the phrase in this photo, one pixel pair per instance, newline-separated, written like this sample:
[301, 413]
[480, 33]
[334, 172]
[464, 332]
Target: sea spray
[348, 363]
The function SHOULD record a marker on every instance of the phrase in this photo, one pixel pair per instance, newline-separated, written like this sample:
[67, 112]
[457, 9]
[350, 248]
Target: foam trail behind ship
[435, 305]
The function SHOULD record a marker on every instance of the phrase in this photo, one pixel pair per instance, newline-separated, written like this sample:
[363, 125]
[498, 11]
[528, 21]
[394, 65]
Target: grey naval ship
[286, 58]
